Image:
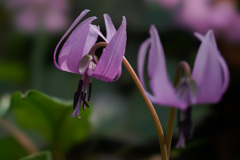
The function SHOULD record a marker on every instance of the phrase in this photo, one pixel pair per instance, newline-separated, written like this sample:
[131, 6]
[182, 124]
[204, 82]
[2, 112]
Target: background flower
[201, 15]
[207, 84]
[31, 15]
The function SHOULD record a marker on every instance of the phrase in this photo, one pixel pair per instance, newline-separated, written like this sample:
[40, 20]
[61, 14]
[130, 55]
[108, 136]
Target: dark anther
[84, 101]
[77, 94]
[89, 91]
[75, 99]
[186, 123]
[188, 130]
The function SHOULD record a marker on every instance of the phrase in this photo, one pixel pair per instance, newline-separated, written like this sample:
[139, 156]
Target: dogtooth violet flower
[77, 55]
[207, 83]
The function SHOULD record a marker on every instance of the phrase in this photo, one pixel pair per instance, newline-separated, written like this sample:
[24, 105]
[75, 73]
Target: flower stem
[150, 107]
[171, 119]
[20, 137]
[187, 72]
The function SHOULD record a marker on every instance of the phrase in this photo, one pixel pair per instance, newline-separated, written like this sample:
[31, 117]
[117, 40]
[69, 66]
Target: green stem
[145, 97]
[187, 72]
[150, 108]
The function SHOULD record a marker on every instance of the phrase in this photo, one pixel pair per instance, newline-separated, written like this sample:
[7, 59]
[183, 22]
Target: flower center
[82, 95]
[86, 67]
[87, 64]
[187, 90]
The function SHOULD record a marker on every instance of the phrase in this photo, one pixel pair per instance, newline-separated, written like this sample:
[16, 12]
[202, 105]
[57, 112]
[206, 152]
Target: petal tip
[153, 27]
[86, 10]
[124, 21]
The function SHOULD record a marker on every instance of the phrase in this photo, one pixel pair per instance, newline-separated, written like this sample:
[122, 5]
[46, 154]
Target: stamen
[86, 67]
[185, 127]
[84, 101]
[75, 100]
[89, 90]
[188, 131]
[187, 90]
[77, 94]
[91, 68]
[84, 63]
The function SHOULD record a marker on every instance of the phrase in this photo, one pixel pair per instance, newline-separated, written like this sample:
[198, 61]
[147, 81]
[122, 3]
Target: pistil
[86, 67]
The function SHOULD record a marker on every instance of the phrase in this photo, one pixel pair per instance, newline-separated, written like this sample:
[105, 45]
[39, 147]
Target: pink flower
[32, 15]
[208, 82]
[75, 56]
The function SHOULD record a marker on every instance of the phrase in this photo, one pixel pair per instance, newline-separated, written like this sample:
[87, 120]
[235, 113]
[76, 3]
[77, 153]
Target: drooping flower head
[207, 83]
[210, 73]
[77, 54]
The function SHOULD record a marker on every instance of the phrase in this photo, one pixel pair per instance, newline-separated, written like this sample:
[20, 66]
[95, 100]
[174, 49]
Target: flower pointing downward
[207, 83]
[77, 55]
[210, 74]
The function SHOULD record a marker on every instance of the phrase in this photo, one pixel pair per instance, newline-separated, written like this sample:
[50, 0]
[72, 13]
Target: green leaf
[50, 118]
[10, 149]
[39, 156]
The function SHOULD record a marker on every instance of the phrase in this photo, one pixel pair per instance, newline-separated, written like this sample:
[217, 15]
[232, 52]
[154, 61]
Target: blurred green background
[36, 98]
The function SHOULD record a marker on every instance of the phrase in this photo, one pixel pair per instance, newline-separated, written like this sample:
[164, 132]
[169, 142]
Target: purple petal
[225, 72]
[73, 49]
[97, 30]
[210, 71]
[109, 27]
[159, 82]
[141, 60]
[110, 62]
[90, 41]
[83, 13]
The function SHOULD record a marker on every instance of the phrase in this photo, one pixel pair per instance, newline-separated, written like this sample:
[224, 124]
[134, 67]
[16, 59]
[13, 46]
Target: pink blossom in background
[202, 15]
[207, 84]
[194, 14]
[31, 15]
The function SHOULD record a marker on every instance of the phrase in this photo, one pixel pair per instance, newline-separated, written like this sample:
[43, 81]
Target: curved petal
[162, 88]
[225, 72]
[141, 59]
[118, 74]
[97, 30]
[73, 49]
[90, 41]
[82, 14]
[210, 71]
[109, 27]
[110, 61]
